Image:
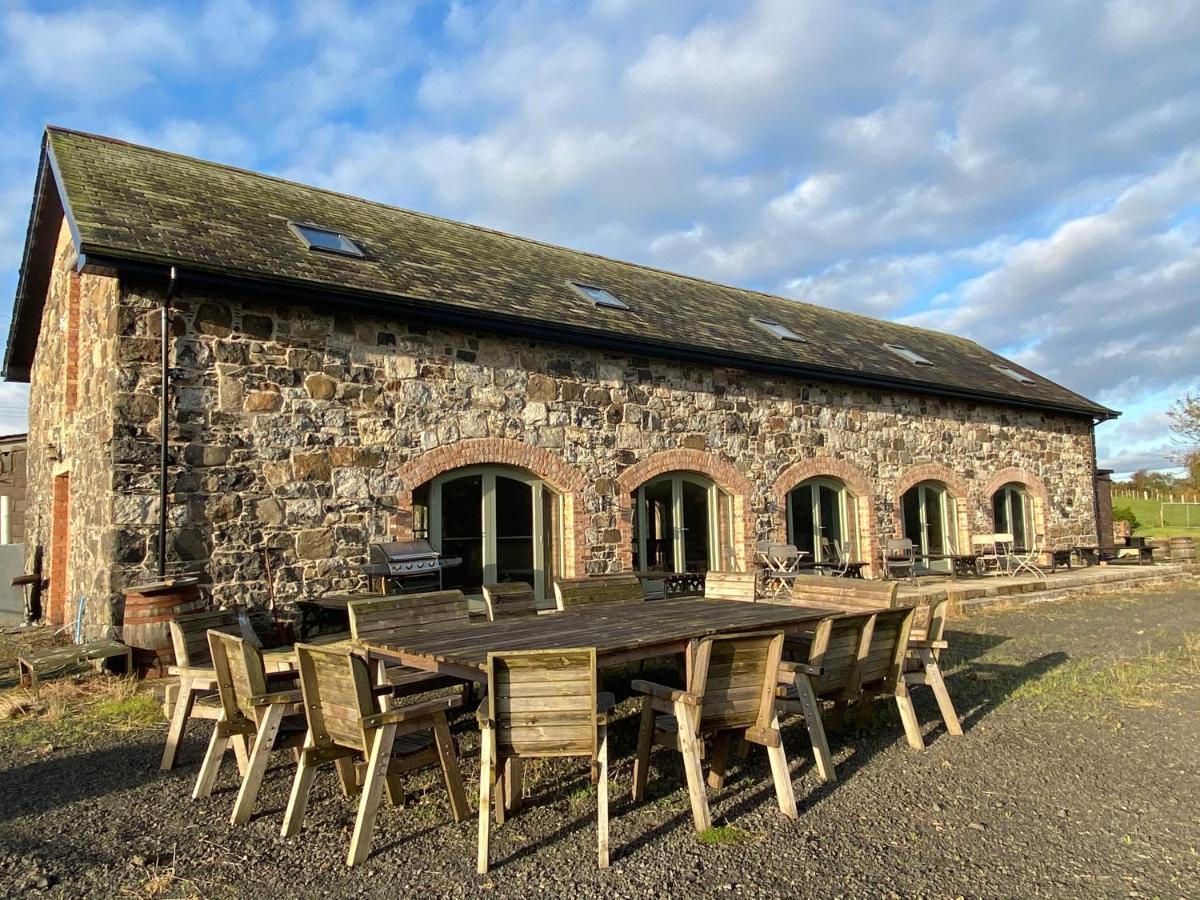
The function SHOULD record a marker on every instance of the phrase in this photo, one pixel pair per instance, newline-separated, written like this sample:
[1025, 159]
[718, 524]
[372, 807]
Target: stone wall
[298, 437]
[70, 437]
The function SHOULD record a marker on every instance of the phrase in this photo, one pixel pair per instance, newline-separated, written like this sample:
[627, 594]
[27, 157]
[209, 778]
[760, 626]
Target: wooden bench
[58, 659]
[827, 590]
[570, 592]
[925, 647]
[730, 586]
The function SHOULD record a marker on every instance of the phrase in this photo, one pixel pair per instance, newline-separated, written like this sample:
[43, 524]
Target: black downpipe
[162, 420]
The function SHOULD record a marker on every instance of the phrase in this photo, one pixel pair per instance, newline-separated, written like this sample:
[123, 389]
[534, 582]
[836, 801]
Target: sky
[1025, 174]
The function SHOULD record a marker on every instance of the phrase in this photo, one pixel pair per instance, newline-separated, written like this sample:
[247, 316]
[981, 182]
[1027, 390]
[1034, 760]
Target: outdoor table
[620, 632]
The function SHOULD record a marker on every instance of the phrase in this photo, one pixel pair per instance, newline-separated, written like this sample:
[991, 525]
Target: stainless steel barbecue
[407, 567]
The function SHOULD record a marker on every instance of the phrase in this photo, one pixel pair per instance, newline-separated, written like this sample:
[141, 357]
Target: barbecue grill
[407, 567]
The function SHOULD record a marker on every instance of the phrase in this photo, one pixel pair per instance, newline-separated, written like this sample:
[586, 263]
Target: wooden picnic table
[620, 632]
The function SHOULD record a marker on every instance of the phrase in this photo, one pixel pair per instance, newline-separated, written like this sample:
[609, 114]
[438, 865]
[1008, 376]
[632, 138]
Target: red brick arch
[740, 488]
[959, 493]
[842, 470]
[564, 478]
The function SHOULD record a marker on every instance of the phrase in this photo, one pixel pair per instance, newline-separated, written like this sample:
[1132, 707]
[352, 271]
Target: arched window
[822, 520]
[503, 523]
[1012, 513]
[927, 517]
[682, 522]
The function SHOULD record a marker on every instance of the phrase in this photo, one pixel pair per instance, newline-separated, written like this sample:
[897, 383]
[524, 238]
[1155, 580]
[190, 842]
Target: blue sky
[1024, 174]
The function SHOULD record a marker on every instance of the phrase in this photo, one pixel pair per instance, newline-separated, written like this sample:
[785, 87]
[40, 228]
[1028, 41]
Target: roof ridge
[776, 298]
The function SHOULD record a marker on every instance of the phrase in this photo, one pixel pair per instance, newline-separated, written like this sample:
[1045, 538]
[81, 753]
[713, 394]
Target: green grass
[1148, 513]
[69, 710]
[719, 835]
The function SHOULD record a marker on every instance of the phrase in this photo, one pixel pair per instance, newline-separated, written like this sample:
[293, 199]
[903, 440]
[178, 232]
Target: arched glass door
[820, 512]
[927, 511]
[1012, 513]
[682, 523]
[500, 521]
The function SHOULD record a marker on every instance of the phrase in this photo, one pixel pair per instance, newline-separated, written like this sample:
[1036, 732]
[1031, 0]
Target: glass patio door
[927, 518]
[816, 516]
[495, 520]
[1011, 513]
[673, 524]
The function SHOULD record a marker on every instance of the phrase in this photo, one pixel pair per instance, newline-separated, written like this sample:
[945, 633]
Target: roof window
[597, 295]
[1013, 374]
[325, 240]
[780, 331]
[910, 355]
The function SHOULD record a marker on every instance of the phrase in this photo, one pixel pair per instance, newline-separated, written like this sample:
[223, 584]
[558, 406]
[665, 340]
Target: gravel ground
[1078, 776]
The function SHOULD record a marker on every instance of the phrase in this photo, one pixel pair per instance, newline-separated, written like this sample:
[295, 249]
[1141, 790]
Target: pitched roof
[128, 204]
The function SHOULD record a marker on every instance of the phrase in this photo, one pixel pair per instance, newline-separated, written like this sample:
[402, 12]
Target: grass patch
[722, 835]
[70, 709]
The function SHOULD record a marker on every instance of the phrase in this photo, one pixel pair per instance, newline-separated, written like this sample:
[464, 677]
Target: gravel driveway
[1078, 776]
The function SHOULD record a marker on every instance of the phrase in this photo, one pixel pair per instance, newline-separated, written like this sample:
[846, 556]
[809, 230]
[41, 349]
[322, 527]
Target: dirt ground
[1078, 776]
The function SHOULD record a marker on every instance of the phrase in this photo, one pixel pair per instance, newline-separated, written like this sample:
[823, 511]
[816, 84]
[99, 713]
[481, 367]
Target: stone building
[342, 372]
[13, 452]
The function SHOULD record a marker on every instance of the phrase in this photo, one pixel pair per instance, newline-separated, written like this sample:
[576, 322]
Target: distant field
[1149, 515]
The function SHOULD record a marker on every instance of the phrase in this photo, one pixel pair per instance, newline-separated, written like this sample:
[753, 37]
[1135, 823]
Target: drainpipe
[162, 422]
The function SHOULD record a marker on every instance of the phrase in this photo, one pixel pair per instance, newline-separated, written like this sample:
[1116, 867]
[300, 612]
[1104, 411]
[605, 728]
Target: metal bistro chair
[780, 563]
[899, 554]
[1027, 560]
[837, 562]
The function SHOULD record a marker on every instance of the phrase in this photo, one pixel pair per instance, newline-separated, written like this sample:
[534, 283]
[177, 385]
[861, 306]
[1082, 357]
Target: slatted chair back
[511, 598]
[929, 620]
[380, 616]
[730, 585]
[543, 702]
[884, 660]
[735, 676]
[336, 684]
[570, 592]
[189, 635]
[838, 647]
[241, 676]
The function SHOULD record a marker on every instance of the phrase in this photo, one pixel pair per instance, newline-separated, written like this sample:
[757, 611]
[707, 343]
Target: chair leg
[293, 818]
[179, 718]
[487, 751]
[260, 756]
[933, 678]
[347, 777]
[241, 752]
[720, 758]
[641, 762]
[514, 783]
[816, 729]
[451, 774]
[217, 745]
[689, 748]
[372, 793]
[602, 795]
[779, 772]
[908, 715]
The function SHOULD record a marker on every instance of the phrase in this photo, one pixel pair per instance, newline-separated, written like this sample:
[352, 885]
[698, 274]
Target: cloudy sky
[1024, 174]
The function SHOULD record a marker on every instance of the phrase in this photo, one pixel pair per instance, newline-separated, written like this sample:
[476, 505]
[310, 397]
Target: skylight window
[325, 240]
[598, 295]
[780, 331]
[1013, 374]
[910, 355]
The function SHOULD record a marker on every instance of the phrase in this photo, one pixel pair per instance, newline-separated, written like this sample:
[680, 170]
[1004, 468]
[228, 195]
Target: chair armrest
[671, 695]
[192, 672]
[408, 713]
[927, 645]
[278, 697]
[788, 670]
[382, 690]
[481, 714]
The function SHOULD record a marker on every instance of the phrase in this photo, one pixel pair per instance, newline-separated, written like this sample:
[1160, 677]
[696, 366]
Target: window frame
[775, 328]
[350, 247]
[613, 302]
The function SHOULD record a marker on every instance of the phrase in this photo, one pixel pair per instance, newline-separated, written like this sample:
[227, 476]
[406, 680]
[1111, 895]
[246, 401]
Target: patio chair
[570, 592]
[883, 669]
[925, 646]
[899, 554]
[730, 693]
[837, 563]
[377, 618]
[779, 564]
[509, 599]
[541, 703]
[346, 724]
[269, 716]
[1028, 559]
[195, 697]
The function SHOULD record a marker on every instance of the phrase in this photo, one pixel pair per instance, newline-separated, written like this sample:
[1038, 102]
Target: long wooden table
[620, 632]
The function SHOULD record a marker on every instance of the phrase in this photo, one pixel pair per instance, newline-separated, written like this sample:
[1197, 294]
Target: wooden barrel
[1183, 549]
[1161, 548]
[149, 609]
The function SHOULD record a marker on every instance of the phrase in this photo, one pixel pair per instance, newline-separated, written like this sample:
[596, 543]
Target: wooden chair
[512, 598]
[571, 592]
[196, 695]
[731, 692]
[346, 723]
[250, 710]
[846, 593]
[379, 617]
[883, 669]
[924, 650]
[541, 703]
[730, 585]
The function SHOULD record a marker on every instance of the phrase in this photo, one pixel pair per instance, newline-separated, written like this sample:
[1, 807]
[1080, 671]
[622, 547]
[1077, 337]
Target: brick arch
[959, 493]
[849, 474]
[1032, 483]
[564, 478]
[740, 488]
